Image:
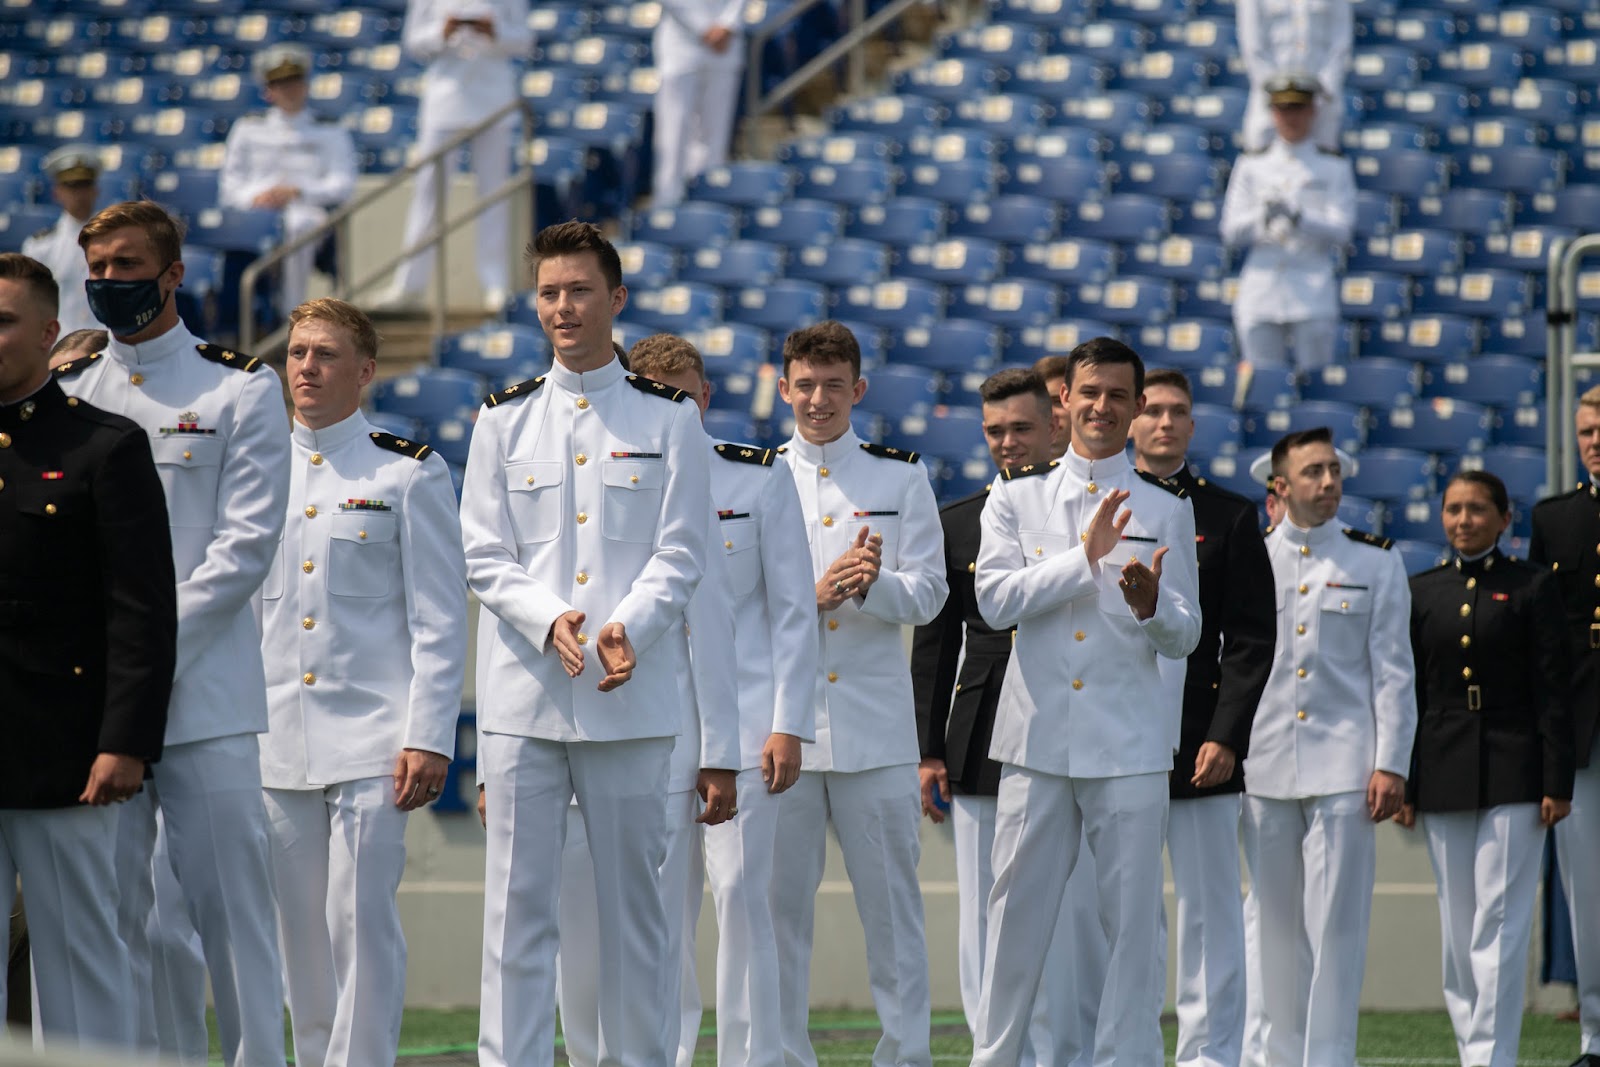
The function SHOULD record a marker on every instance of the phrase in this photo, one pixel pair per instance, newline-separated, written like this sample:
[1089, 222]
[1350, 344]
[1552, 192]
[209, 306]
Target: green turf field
[1422, 1039]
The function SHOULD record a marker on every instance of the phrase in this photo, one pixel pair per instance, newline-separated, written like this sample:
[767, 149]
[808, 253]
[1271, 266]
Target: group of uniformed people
[263, 659]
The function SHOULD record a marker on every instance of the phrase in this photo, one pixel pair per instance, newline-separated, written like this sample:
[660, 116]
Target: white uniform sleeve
[513, 39]
[1337, 61]
[435, 577]
[252, 497]
[337, 181]
[662, 590]
[912, 593]
[1242, 210]
[712, 668]
[1174, 629]
[493, 569]
[696, 16]
[423, 36]
[1008, 589]
[1332, 216]
[1253, 45]
[1394, 687]
[237, 187]
[791, 607]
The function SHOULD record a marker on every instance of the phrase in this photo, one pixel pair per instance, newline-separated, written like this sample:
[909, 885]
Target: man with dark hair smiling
[1085, 728]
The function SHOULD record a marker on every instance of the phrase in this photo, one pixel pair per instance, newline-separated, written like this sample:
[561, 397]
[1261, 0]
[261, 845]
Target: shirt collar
[1476, 565]
[330, 437]
[1090, 470]
[168, 344]
[588, 381]
[831, 452]
[1315, 537]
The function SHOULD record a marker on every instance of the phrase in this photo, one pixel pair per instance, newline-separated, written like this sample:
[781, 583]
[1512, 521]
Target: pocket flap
[1342, 601]
[633, 474]
[187, 450]
[366, 528]
[532, 475]
[1039, 545]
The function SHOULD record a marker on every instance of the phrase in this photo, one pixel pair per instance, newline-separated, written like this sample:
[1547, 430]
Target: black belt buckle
[1594, 635]
[1474, 698]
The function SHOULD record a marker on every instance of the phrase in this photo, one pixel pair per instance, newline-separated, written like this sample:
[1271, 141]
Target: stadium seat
[1371, 382]
[744, 184]
[795, 224]
[1523, 336]
[1523, 470]
[647, 265]
[1057, 77]
[1214, 38]
[837, 147]
[1490, 135]
[1570, 61]
[846, 261]
[1190, 345]
[1124, 217]
[1126, 301]
[1181, 258]
[1374, 296]
[956, 182]
[1393, 474]
[1428, 339]
[948, 146]
[680, 308]
[183, 190]
[1063, 177]
[1481, 64]
[1162, 74]
[1576, 207]
[1011, 302]
[1153, 13]
[491, 350]
[1109, 38]
[1028, 346]
[1004, 113]
[1419, 556]
[1483, 293]
[729, 425]
[1066, 262]
[736, 386]
[1201, 217]
[1497, 380]
[731, 344]
[236, 230]
[1347, 422]
[737, 263]
[17, 190]
[779, 306]
[1401, 171]
[689, 225]
[894, 304]
[1232, 472]
[1478, 210]
[895, 391]
[963, 480]
[1436, 425]
[401, 426]
[1521, 425]
[1415, 252]
[1387, 137]
[905, 220]
[952, 344]
[893, 116]
[1208, 299]
[1016, 219]
[1517, 169]
[1174, 176]
[1117, 109]
[1217, 431]
[1429, 104]
[431, 395]
[862, 181]
[957, 261]
[952, 434]
[1525, 249]
[949, 79]
[22, 222]
[1376, 68]
[1217, 111]
[1544, 101]
[1006, 44]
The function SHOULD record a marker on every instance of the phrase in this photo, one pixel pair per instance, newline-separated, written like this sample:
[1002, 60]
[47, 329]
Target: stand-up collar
[587, 382]
[44, 398]
[168, 344]
[1316, 536]
[1094, 469]
[330, 437]
[832, 452]
[1476, 566]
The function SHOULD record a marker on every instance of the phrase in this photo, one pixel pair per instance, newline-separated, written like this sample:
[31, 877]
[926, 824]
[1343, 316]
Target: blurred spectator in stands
[699, 54]
[77, 343]
[1309, 35]
[289, 161]
[1293, 204]
[470, 47]
[1053, 369]
[75, 184]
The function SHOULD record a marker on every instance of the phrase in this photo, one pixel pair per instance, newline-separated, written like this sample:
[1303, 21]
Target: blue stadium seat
[949, 79]
[1401, 171]
[1372, 382]
[952, 344]
[1153, 13]
[732, 344]
[956, 262]
[1425, 29]
[1524, 248]
[1414, 521]
[892, 305]
[1058, 338]
[17, 190]
[401, 426]
[737, 263]
[647, 265]
[1519, 169]
[955, 182]
[431, 395]
[1126, 301]
[847, 261]
[1501, 381]
[1006, 44]
[1388, 136]
[1374, 296]
[1482, 64]
[957, 481]
[873, 339]
[1159, 141]
[1347, 422]
[1523, 336]
[1521, 468]
[744, 184]
[1428, 339]
[1379, 67]
[1232, 472]
[1065, 177]
[1004, 113]
[1479, 210]
[1540, 100]
[1571, 61]
[862, 181]
[1575, 207]
[1056, 77]
[1521, 425]
[1393, 474]
[1011, 302]
[1199, 217]
[560, 21]
[1208, 299]
[1108, 38]
[1215, 38]
[952, 434]
[905, 220]
[1164, 74]
[1181, 258]
[840, 147]
[680, 308]
[1437, 425]
[795, 224]
[1483, 292]
[729, 425]
[1066, 262]
[1415, 252]
[1014, 219]
[1114, 109]
[633, 87]
[1124, 217]
[895, 391]
[1489, 135]
[689, 225]
[183, 190]
[736, 385]
[21, 223]
[1217, 431]
[1419, 556]
[894, 116]
[596, 52]
[1217, 111]
[779, 306]
[1360, 513]
[236, 230]
[1429, 104]
[1188, 344]
[1174, 176]
[948, 146]
[494, 350]
[333, 94]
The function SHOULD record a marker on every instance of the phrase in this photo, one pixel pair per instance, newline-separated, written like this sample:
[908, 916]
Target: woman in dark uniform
[1492, 766]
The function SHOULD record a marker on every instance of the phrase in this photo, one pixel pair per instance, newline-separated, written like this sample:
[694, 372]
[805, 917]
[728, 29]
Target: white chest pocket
[1040, 545]
[741, 540]
[533, 497]
[363, 554]
[190, 466]
[1345, 620]
[885, 524]
[1135, 544]
[631, 510]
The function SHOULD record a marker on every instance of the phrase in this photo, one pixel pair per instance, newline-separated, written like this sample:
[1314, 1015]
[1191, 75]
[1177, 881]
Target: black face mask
[125, 307]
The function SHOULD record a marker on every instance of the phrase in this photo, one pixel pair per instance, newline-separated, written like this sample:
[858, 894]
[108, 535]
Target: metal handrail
[434, 239]
[1563, 362]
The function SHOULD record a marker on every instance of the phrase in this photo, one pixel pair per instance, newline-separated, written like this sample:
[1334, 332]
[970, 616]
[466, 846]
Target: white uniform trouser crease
[491, 164]
[1203, 844]
[694, 112]
[1578, 843]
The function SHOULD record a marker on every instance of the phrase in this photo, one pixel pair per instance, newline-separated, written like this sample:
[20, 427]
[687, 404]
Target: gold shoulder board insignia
[653, 388]
[886, 452]
[403, 445]
[761, 457]
[514, 392]
[218, 354]
[76, 365]
[1369, 538]
[1172, 487]
[1027, 470]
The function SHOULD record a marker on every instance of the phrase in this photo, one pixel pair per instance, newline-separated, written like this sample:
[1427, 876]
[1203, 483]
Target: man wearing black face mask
[221, 443]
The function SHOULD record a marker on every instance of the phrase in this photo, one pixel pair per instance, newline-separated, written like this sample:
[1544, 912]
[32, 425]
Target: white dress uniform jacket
[470, 76]
[363, 611]
[221, 443]
[677, 45]
[277, 148]
[1342, 700]
[635, 555]
[1288, 275]
[863, 674]
[1083, 695]
[709, 733]
[57, 248]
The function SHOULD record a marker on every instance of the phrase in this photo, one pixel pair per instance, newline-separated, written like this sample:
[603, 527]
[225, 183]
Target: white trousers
[1487, 866]
[1039, 822]
[491, 165]
[529, 783]
[739, 856]
[1270, 344]
[1075, 965]
[1312, 865]
[578, 978]
[295, 275]
[209, 793]
[178, 962]
[1259, 131]
[875, 815]
[338, 854]
[694, 112]
[83, 985]
[1578, 843]
[1203, 844]
[1254, 1051]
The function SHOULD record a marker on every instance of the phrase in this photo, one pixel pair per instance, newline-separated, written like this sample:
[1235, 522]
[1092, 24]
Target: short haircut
[662, 355]
[823, 343]
[1013, 381]
[1590, 397]
[572, 238]
[1172, 379]
[1491, 482]
[1105, 352]
[164, 230]
[41, 284]
[1049, 367]
[1289, 441]
[82, 341]
[338, 313]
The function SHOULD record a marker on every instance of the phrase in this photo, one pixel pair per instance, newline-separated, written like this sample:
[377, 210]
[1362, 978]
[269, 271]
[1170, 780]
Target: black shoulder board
[73, 366]
[761, 457]
[41, 234]
[885, 452]
[218, 354]
[1027, 470]
[1369, 538]
[401, 445]
[1172, 487]
[653, 388]
[514, 392]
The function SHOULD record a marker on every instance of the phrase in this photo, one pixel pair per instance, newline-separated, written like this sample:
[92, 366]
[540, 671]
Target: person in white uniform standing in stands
[364, 651]
[74, 173]
[1314, 36]
[221, 444]
[471, 48]
[699, 51]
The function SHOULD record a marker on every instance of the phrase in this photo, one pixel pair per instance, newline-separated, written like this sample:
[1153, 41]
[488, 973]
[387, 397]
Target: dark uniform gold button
[5, 440]
[1466, 641]
[1466, 609]
[1472, 583]
[49, 509]
[311, 511]
[77, 670]
[972, 568]
[1466, 674]
[2, 483]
